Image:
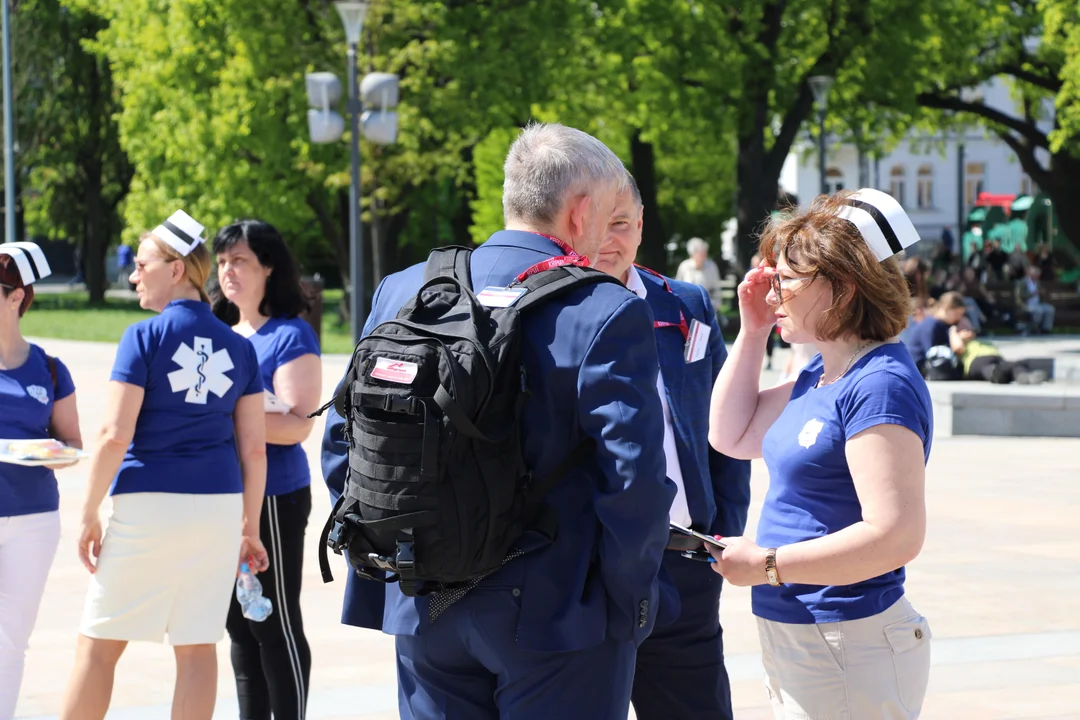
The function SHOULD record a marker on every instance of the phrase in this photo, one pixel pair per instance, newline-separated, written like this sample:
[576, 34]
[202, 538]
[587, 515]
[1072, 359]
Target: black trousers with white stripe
[271, 659]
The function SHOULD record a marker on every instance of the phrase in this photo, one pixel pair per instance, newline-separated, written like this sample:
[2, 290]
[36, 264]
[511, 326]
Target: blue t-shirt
[277, 342]
[924, 335]
[811, 491]
[26, 405]
[194, 369]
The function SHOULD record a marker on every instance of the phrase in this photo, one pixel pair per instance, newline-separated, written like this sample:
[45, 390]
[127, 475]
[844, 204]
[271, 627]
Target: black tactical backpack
[437, 490]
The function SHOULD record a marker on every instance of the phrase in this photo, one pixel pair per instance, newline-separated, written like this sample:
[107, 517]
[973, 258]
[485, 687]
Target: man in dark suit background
[554, 633]
[680, 667]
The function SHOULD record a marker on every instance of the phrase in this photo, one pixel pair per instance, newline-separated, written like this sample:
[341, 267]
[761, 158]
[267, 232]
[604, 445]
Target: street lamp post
[960, 204]
[820, 86]
[9, 132]
[352, 16]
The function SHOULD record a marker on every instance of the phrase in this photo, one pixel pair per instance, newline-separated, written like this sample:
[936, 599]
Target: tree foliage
[75, 174]
[702, 100]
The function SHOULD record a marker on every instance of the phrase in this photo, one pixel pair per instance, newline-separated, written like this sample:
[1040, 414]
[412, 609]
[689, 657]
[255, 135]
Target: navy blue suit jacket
[717, 487]
[592, 363]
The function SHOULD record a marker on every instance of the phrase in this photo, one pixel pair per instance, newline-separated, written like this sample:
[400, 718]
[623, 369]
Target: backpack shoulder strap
[453, 261]
[52, 372]
[549, 284]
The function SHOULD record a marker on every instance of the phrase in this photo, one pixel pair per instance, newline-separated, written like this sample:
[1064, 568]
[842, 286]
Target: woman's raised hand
[756, 315]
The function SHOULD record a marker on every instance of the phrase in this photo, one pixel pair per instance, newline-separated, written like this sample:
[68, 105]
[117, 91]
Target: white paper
[273, 404]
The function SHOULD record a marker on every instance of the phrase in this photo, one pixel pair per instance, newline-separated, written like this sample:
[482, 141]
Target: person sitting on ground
[983, 361]
[916, 315]
[933, 330]
[981, 306]
[1031, 295]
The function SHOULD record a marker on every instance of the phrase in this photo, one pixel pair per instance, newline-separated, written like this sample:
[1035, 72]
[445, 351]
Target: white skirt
[168, 565]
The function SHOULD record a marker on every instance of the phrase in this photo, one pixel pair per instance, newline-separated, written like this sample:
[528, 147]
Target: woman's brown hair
[197, 263]
[871, 299]
[11, 279]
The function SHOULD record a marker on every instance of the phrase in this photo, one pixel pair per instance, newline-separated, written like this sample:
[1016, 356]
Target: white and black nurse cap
[180, 232]
[29, 259]
[881, 221]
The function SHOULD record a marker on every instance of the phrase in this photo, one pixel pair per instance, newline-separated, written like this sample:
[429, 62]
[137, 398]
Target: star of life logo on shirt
[38, 393]
[202, 371]
[809, 433]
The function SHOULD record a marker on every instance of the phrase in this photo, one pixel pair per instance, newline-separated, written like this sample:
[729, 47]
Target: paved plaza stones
[998, 578]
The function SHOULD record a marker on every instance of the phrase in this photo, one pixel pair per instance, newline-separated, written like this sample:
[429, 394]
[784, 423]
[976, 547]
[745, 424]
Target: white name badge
[697, 341]
[499, 297]
[395, 371]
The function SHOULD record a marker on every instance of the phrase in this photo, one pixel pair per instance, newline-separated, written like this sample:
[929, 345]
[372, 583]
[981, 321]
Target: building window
[924, 187]
[834, 180]
[974, 176]
[897, 183]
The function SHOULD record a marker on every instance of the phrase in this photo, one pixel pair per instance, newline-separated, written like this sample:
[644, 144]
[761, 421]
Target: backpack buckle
[334, 539]
[405, 560]
[381, 562]
[395, 404]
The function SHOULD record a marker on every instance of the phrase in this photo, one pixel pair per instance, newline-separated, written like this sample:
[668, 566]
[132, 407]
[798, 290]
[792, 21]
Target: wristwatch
[770, 567]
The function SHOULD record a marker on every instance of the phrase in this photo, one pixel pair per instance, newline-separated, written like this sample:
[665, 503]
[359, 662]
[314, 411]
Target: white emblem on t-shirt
[202, 371]
[810, 431]
[38, 393]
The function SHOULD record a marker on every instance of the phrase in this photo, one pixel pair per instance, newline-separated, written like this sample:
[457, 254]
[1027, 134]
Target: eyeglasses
[780, 285]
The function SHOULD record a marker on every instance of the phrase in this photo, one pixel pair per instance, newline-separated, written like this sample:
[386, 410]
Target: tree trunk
[95, 240]
[1064, 192]
[755, 198]
[652, 253]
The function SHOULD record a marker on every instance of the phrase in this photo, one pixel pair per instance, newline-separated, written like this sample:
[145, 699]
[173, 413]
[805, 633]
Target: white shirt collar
[634, 283]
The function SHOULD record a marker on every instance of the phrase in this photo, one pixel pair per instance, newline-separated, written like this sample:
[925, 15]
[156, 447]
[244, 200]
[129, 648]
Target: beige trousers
[876, 668]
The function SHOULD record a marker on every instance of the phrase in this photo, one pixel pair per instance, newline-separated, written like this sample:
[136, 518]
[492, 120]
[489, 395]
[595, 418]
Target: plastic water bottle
[249, 595]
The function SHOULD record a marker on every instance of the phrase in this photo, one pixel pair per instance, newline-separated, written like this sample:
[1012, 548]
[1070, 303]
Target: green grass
[70, 316]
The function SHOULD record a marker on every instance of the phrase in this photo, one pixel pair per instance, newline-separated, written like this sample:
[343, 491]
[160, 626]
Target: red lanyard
[684, 328]
[569, 257]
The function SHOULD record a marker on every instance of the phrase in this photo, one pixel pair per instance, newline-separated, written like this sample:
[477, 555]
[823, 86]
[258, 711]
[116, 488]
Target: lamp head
[352, 17]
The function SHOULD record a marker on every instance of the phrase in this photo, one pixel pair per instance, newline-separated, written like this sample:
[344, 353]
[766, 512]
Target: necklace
[846, 367]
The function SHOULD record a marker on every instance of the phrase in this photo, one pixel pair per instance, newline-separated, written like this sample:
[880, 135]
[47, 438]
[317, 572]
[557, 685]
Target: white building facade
[936, 178]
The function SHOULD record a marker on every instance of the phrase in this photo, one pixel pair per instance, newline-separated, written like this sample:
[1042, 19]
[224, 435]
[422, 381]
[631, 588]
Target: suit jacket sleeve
[620, 410]
[730, 477]
[335, 451]
[364, 600]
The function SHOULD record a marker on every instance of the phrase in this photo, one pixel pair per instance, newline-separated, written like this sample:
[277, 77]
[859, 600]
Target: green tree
[1034, 45]
[77, 174]
[873, 48]
[214, 114]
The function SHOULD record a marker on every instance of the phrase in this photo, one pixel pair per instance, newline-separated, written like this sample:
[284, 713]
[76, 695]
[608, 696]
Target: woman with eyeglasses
[182, 452]
[37, 401]
[845, 444]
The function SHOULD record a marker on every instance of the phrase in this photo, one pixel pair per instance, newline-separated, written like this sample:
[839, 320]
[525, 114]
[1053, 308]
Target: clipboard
[699, 553]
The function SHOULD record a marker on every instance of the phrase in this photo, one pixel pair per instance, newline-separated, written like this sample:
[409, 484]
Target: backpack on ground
[437, 490]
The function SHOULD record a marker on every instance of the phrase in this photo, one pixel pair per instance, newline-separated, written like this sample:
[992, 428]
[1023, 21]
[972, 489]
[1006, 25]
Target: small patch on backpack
[395, 371]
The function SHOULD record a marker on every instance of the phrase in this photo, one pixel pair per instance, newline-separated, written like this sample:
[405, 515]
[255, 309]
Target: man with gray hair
[555, 631]
[700, 270]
